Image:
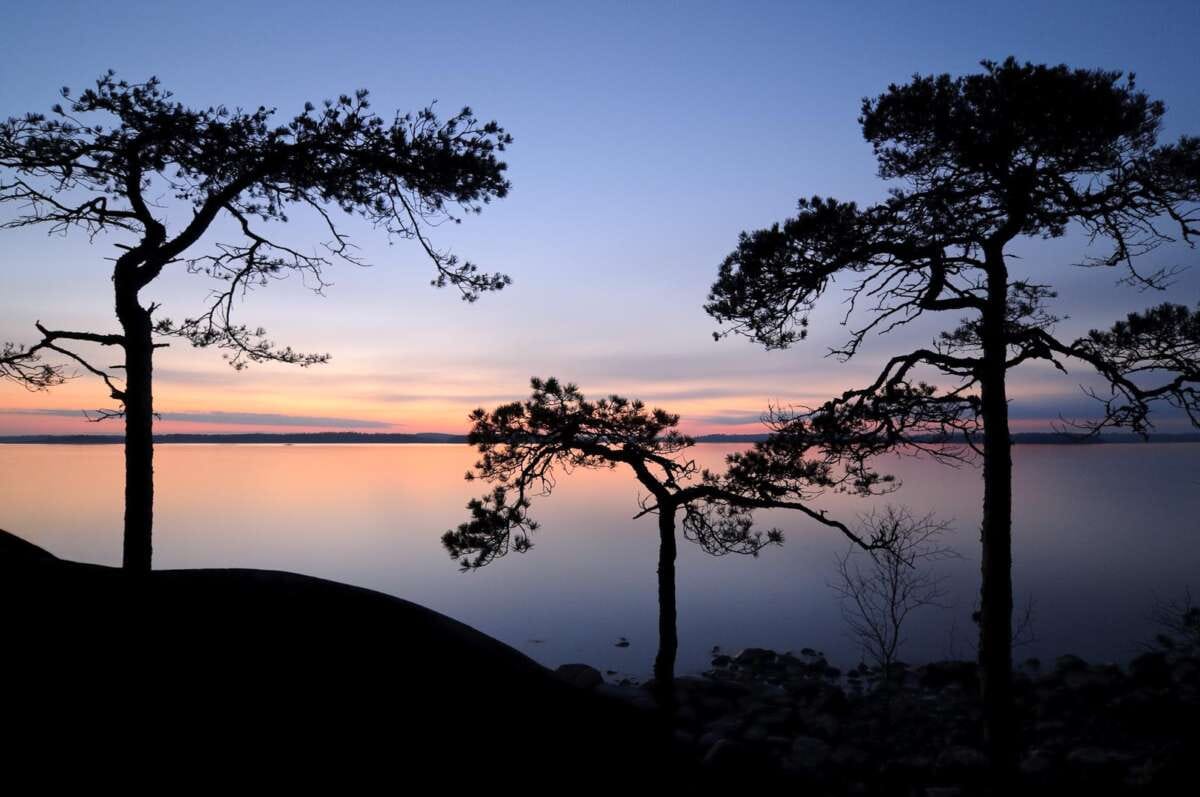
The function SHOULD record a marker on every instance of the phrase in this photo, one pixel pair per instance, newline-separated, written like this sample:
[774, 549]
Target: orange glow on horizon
[213, 410]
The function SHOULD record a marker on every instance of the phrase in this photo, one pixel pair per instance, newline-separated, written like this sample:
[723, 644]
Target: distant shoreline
[356, 438]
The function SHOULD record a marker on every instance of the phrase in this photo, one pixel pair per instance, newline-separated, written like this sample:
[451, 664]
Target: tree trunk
[668, 640]
[139, 436]
[996, 600]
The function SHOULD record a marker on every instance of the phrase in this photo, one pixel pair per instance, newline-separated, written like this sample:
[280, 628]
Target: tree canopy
[96, 160]
[526, 446]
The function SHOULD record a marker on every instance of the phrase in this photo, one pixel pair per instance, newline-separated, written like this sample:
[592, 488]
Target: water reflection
[1100, 531]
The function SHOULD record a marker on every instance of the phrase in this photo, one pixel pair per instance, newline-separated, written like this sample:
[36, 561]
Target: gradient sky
[647, 136]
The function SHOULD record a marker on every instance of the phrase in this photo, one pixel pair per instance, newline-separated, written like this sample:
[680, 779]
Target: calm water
[1100, 533]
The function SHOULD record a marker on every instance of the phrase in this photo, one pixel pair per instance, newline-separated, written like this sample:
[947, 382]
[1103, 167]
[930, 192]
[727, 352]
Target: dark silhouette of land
[266, 676]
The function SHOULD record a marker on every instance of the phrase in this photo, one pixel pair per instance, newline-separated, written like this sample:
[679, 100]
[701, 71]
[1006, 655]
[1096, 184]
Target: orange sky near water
[277, 411]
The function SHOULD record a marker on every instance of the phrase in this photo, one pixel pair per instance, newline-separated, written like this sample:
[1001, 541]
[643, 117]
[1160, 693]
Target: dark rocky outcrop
[258, 677]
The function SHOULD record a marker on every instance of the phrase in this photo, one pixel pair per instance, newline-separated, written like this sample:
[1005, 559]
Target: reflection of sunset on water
[372, 515]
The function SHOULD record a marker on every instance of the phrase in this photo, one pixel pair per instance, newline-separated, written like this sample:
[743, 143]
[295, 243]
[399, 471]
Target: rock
[779, 744]
[730, 756]
[1151, 669]
[809, 752]
[710, 706]
[831, 700]
[822, 725]
[724, 727]
[1185, 671]
[907, 766]
[847, 756]
[1093, 758]
[961, 759]
[804, 688]
[939, 674]
[755, 733]
[721, 661]
[1069, 663]
[618, 691]
[1036, 764]
[1089, 680]
[1142, 776]
[682, 740]
[1046, 729]
[691, 684]
[581, 675]
[726, 690]
[753, 657]
[776, 722]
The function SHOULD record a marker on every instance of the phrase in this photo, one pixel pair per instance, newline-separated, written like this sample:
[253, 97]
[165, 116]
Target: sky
[647, 136]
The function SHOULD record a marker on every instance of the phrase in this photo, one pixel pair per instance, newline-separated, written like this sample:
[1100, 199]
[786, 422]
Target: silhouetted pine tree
[981, 161]
[101, 161]
[525, 447]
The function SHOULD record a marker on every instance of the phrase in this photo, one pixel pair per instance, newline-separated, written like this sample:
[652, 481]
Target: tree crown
[100, 159]
[1019, 149]
[526, 445]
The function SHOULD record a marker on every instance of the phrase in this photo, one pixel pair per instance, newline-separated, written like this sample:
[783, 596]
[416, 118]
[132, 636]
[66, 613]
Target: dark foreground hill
[248, 676]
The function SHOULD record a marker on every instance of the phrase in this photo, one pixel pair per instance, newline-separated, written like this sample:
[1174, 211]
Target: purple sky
[647, 136]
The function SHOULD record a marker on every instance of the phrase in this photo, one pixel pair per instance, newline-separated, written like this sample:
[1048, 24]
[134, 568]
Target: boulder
[1151, 669]
[849, 757]
[809, 752]
[582, 675]
[939, 674]
[1096, 758]
[728, 755]
[753, 657]
[961, 759]
[1069, 663]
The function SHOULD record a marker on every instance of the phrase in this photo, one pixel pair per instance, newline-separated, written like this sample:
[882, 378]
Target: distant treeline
[1026, 438]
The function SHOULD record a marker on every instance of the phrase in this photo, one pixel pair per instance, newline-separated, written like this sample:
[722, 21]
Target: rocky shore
[1086, 728]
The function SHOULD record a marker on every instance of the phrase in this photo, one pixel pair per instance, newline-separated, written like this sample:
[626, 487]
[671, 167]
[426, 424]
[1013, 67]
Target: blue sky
[647, 136]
